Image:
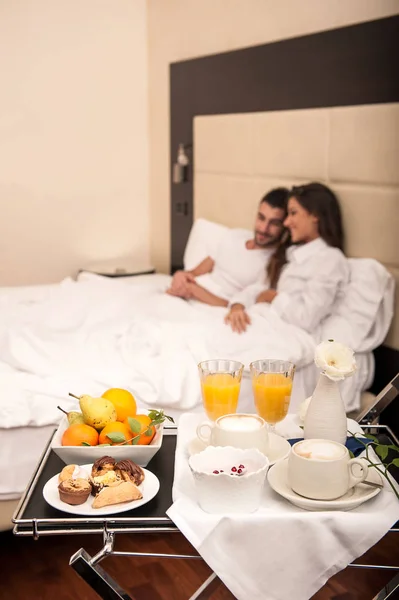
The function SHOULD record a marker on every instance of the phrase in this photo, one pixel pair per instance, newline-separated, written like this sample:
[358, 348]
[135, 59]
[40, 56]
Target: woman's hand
[237, 318]
[267, 296]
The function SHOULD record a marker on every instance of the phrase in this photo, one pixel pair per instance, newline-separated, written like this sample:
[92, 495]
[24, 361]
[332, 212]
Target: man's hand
[238, 318]
[180, 284]
[267, 296]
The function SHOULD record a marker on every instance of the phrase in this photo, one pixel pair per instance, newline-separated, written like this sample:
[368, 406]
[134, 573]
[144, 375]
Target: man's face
[268, 225]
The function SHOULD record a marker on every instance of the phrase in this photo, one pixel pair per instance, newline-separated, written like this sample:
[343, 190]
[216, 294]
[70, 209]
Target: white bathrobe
[313, 279]
[236, 267]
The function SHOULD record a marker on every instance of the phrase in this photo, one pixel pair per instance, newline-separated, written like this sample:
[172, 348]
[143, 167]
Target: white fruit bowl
[80, 455]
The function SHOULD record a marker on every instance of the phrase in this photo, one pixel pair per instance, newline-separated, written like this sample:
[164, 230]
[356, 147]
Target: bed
[92, 333]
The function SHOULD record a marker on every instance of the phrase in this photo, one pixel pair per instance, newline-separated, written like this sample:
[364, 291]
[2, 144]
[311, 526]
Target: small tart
[72, 472]
[74, 491]
[66, 473]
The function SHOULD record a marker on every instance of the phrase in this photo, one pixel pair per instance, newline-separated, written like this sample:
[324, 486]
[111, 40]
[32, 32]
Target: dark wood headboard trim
[351, 65]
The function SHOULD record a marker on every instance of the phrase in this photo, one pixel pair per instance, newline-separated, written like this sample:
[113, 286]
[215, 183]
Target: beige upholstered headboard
[355, 150]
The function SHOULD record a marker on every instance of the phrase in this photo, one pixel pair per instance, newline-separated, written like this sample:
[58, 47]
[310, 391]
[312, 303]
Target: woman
[316, 272]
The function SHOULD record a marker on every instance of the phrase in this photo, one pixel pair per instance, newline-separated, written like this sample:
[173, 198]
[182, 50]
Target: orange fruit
[123, 401]
[79, 433]
[145, 427]
[115, 427]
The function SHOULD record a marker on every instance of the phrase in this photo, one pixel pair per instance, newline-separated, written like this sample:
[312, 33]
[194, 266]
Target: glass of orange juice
[220, 385]
[272, 386]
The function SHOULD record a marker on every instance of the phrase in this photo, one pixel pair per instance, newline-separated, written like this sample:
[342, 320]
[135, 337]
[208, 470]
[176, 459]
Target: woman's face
[302, 224]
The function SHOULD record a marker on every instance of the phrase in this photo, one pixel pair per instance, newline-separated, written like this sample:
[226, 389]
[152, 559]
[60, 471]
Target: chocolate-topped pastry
[102, 466]
[129, 471]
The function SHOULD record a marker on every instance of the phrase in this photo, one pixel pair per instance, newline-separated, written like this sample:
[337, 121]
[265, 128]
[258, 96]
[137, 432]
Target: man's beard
[264, 241]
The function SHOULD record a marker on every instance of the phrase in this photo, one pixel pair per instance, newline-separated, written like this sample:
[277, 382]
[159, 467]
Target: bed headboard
[354, 150]
[335, 93]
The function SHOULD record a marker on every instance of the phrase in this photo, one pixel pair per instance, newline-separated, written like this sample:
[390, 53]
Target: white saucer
[149, 488]
[279, 447]
[278, 480]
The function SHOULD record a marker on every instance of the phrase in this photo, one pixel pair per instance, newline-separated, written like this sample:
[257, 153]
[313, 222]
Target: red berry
[234, 469]
[241, 467]
[216, 472]
[239, 471]
[221, 470]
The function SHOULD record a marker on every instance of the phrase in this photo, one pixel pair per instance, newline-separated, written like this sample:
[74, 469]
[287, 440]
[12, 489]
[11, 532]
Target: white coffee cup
[323, 470]
[240, 430]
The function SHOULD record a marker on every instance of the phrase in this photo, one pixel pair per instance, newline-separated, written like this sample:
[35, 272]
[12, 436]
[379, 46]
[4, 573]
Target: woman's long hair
[278, 198]
[321, 202]
[278, 260]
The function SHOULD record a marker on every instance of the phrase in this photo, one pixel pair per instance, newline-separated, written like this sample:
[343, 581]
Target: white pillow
[203, 240]
[361, 319]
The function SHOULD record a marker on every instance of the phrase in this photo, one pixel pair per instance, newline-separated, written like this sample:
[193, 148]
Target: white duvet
[85, 336]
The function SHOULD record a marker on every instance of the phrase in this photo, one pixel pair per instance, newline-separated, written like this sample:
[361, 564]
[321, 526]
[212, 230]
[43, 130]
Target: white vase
[326, 417]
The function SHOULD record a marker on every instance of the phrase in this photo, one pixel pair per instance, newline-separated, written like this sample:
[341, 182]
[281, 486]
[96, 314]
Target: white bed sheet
[19, 303]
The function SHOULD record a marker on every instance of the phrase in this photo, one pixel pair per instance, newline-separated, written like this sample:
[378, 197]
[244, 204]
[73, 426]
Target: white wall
[181, 29]
[73, 136]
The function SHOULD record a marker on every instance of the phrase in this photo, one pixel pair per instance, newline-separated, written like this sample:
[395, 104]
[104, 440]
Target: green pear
[97, 412]
[72, 416]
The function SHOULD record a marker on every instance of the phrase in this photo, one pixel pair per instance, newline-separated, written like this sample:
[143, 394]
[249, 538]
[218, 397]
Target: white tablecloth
[280, 551]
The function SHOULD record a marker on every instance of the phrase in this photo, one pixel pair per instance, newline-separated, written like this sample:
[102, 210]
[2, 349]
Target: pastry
[72, 472]
[102, 466]
[116, 494]
[74, 491]
[108, 479]
[129, 471]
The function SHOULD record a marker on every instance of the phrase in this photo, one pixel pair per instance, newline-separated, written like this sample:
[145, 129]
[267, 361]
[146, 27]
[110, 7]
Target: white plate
[278, 480]
[149, 488]
[279, 447]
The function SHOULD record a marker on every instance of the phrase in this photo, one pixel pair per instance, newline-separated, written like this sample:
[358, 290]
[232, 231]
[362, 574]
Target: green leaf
[395, 462]
[85, 444]
[382, 451]
[117, 437]
[103, 445]
[134, 425]
[393, 447]
[330, 340]
[351, 454]
[148, 432]
[370, 437]
[158, 416]
[135, 440]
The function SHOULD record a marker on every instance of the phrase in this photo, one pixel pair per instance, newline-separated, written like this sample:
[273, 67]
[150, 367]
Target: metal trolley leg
[97, 578]
[391, 590]
[94, 575]
[107, 588]
[206, 590]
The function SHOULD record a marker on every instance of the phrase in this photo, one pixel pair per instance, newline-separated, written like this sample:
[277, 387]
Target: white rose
[303, 409]
[335, 360]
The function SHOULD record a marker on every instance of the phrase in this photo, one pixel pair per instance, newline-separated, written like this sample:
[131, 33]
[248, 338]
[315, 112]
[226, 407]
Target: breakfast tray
[34, 517]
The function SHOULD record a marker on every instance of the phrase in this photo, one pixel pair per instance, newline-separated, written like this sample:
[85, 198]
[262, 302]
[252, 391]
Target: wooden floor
[40, 570]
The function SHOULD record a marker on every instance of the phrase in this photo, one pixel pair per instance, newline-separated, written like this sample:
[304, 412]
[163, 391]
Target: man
[238, 262]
